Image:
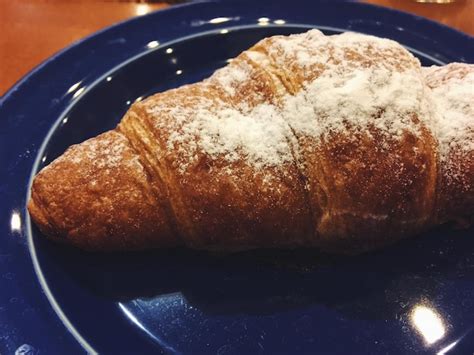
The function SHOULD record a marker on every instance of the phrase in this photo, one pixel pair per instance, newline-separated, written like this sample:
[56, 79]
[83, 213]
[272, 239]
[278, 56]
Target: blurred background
[33, 30]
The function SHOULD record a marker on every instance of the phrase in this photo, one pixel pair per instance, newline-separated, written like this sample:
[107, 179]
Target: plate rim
[17, 87]
[17, 84]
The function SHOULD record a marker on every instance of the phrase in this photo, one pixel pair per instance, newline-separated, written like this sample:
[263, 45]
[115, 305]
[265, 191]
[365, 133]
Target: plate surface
[417, 296]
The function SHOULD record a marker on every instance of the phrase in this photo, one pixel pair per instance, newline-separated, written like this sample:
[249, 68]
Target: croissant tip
[39, 214]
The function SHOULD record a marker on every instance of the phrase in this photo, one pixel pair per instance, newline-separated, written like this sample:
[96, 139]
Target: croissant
[342, 143]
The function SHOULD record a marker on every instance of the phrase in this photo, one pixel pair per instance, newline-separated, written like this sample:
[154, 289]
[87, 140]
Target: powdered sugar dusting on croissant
[106, 153]
[453, 97]
[350, 82]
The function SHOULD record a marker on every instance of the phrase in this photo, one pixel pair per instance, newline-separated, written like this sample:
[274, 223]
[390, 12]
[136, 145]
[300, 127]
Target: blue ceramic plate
[417, 296]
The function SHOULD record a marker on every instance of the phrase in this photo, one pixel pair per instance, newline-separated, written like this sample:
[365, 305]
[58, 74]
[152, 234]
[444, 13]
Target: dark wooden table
[32, 30]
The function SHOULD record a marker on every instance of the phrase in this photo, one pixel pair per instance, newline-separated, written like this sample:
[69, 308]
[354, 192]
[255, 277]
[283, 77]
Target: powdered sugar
[229, 79]
[104, 152]
[361, 83]
[453, 99]
[356, 101]
[232, 135]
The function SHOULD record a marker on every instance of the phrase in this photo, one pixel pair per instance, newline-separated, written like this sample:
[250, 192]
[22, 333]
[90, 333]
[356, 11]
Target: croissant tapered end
[98, 196]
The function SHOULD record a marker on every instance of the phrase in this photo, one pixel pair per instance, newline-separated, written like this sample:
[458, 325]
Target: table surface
[33, 30]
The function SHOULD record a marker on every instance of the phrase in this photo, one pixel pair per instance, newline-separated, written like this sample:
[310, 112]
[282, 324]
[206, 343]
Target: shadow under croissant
[377, 285]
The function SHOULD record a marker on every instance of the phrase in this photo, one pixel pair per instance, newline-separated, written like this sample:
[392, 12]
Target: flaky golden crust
[219, 204]
[456, 168]
[356, 204]
[260, 155]
[96, 196]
